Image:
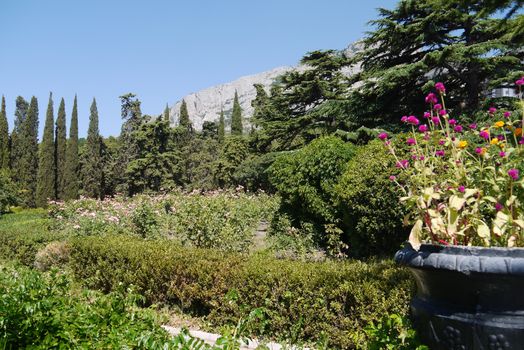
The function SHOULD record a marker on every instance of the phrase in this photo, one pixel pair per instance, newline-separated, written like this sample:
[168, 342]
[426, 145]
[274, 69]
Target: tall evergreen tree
[221, 127]
[4, 138]
[129, 147]
[22, 107]
[236, 118]
[45, 186]
[27, 164]
[469, 45]
[184, 116]
[91, 169]
[166, 113]
[71, 166]
[60, 150]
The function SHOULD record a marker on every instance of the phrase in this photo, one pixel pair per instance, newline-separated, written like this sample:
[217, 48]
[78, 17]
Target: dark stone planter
[467, 297]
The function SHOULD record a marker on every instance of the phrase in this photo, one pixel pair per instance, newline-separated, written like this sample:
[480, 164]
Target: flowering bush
[464, 182]
[223, 220]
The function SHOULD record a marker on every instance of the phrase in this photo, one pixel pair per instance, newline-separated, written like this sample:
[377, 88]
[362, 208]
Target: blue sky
[159, 49]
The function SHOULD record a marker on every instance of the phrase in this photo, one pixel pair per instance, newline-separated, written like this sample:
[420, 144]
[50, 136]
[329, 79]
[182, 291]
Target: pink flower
[414, 157]
[484, 134]
[507, 114]
[452, 122]
[431, 98]
[442, 112]
[440, 87]
[412, 120]
[383, 136]
[461, 189]
[520, 82]
[514, 174]
[498, 206]
[435, 120]
[411, 141]
[421, 158]
[492, 110]
[423, 128]
[392, 178]
[438, 106]
[439, 153]
[404, 163]
[473, 126]
[427, 115]
[404, 119]
[479, 150]
[458, 128]
[441, 142]
[426, 136]
[521, 141]
[502, 154]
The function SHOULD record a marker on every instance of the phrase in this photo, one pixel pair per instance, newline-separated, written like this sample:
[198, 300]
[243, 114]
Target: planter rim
[463, 259]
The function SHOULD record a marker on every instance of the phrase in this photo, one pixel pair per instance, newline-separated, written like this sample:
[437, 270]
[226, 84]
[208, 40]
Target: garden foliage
[303, 300]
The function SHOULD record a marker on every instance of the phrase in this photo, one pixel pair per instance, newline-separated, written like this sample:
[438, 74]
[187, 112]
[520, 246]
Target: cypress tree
[166, 113]
[221, 127]
[27, 163]
[60, 150]
[71, 166]
[45, 186]
[236, 118]
[16, 148]
[92, 170]
[184, 116]
[4, 137]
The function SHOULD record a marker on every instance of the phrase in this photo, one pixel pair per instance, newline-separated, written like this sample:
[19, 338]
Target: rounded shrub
[370, 204]
[306, 180]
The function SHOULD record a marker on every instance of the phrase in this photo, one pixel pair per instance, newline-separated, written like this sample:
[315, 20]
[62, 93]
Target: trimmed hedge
[23, 234]
[303, 300]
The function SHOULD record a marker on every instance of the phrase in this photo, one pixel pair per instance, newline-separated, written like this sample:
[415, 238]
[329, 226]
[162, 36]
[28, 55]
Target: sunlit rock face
[205, 105]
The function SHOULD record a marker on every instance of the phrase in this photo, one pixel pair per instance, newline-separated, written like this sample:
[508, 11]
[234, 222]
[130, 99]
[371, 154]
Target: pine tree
[60, 150]
[92, 170]
[45, 186]
[27, 150]
[166, 113]
[236, 118]
[71, 166]
[221, 127]
[184, 116]
[4, 138]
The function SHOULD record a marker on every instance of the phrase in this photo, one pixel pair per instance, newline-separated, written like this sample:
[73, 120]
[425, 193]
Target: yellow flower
[463, 144]
[518, 131]
[502, 145]
[494, 141]
[499, 124]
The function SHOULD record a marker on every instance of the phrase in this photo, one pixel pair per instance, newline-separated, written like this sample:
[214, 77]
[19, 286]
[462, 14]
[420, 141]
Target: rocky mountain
[205, 105]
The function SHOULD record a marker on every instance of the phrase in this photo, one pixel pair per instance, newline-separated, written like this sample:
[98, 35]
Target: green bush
[23, 234]
[370, 203]
[220, 220]
[41, 311]
[306, 180]
[8, 193]
[303, 300]
[392, 332]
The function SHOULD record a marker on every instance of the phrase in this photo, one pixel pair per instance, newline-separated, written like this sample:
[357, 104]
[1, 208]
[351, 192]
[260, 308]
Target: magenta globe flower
[413, 120]
[404, 119]
[458, 128]
[498, 206]
[435, 120]
[461, 189]
[514, 174]
[411, 141]
[492, 110]
[439, 153]
[383, 136]
[437, 106]
[484, 134]
[452, 122]
[507, 114]
[404, 163]
[423, 128]
[440, 87]
[473, 126]
[520, 82]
